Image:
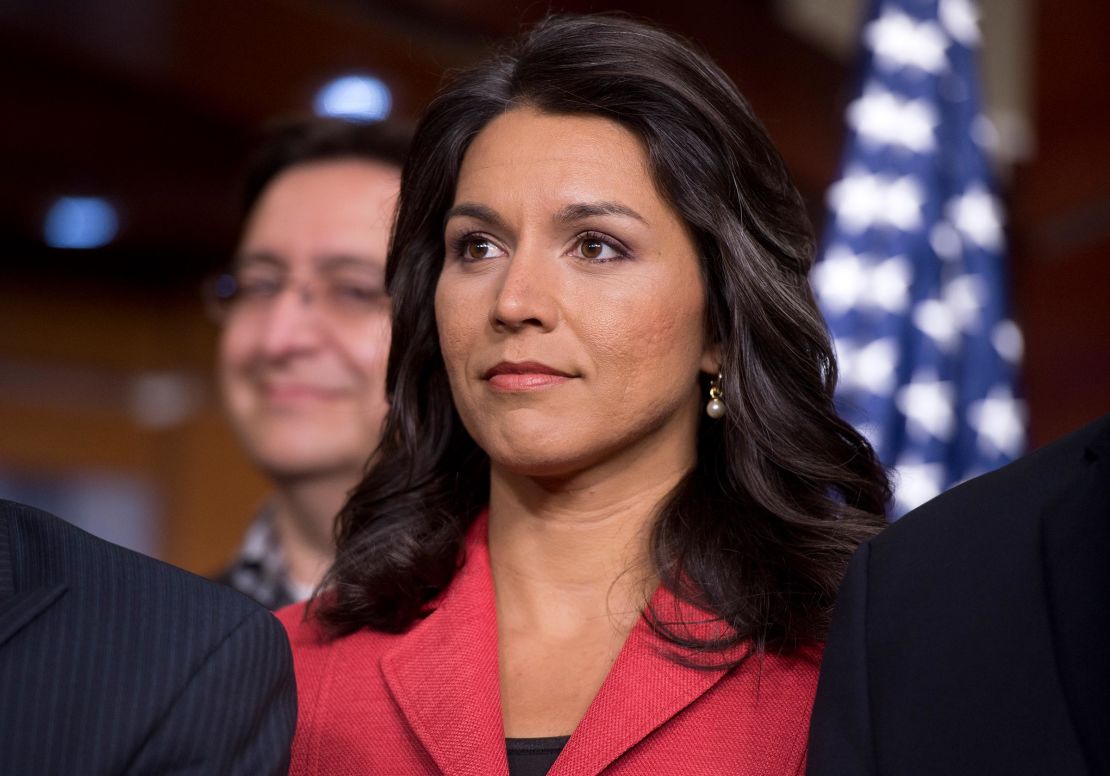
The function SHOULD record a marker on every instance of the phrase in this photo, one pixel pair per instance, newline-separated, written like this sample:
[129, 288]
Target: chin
[289, 455]
[532, 443]
[541, 460]
[291, 467]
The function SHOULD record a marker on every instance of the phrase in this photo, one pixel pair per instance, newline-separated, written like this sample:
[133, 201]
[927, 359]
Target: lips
[524, 376]
[292, 393]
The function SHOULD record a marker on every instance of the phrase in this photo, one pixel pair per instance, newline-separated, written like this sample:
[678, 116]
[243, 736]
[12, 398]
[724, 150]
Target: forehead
[339, 204]
[331, 182]
[525, 152]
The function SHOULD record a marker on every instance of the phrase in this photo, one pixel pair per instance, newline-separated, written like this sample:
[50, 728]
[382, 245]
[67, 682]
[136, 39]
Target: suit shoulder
[1002, 504]
[49, 550]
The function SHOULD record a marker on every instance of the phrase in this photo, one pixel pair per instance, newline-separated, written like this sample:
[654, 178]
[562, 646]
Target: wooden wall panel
[1060, 223]
[69, 362]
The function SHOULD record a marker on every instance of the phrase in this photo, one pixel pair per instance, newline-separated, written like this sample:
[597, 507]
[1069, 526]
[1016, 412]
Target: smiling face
[303, 350]
[570, 307]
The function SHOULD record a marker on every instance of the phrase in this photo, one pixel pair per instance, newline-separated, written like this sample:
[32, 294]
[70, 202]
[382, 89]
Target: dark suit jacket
[973, 636]
[113, 663]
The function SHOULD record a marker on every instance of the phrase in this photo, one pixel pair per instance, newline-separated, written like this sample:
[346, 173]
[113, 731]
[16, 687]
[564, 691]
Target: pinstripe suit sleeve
[115, 663]
[236, 714]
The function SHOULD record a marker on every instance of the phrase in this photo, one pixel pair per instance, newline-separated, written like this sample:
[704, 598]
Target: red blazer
[428, 701]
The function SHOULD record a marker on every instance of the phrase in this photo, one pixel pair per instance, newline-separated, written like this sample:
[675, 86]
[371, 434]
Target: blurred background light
[356, 98]
[80, 223]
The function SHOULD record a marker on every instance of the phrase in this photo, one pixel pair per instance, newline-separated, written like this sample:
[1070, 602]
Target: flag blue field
[911, 277]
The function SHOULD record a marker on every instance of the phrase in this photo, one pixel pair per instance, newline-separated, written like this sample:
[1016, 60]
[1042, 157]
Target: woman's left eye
[596, 248]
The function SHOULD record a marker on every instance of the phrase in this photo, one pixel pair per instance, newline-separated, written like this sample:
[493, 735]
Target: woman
[613, 499]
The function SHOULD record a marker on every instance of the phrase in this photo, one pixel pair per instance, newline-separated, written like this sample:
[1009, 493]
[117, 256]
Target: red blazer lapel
[444, 674]
[644, 689]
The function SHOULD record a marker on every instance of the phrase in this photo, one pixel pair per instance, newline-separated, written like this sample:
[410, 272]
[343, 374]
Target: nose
[527, 294]
[292, 324]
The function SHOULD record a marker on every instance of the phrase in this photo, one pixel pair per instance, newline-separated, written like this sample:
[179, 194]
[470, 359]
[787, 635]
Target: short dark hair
[292, 141]
[761, 530]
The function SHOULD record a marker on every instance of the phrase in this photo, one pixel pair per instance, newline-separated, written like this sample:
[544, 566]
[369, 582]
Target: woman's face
[570, 306]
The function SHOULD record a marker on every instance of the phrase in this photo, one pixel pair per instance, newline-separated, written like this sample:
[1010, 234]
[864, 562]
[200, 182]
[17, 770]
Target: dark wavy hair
[760, 531]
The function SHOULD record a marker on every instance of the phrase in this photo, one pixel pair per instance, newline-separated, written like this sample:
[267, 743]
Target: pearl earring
[715, 408]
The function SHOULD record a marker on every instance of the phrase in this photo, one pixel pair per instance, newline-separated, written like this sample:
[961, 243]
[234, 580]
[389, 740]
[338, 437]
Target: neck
[577, 548]
[304, 516]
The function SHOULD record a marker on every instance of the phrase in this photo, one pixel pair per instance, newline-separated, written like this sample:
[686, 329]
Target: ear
[711, 359]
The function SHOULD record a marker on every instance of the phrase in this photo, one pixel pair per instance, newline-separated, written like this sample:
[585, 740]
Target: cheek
[654, 337]
[235, 357]
[368, 346]
[455, 324]
[235, 346]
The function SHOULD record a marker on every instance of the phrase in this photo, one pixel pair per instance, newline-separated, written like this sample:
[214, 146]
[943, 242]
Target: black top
[533, 756]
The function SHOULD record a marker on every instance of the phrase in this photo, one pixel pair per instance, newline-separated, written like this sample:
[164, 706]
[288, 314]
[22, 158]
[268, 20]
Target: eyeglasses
[246, 293]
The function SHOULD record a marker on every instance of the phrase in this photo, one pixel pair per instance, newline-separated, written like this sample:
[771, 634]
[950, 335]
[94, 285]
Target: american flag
[911, 278]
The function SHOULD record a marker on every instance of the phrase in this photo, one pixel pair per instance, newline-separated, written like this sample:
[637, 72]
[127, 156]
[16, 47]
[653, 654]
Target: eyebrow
[583, 210]
[570, 214]
[479, 212]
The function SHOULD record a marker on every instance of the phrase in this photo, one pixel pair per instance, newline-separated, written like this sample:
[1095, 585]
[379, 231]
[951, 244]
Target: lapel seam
[34, 602]
[1050, 592]
[627, 739]
[1054, 635]
[409, 711]
[20, 607]
[408, 665]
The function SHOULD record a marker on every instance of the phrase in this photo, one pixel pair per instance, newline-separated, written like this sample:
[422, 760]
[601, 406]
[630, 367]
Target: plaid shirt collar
[259, 570]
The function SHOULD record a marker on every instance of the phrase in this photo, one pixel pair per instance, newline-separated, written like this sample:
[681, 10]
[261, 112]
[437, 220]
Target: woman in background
[613, 499]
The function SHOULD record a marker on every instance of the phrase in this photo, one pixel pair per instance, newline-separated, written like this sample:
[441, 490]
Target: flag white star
[862, 200]
[927, 404]
[843, 280]
[915, 483]
[898, 42]
[856, 198]
[839, 279]
[964, 295]
[977, 216]
[889, 288]
[904, 198]
[961, 20]
[1007, 340]
[869, 368]
[945, 241]
[999, 421]
[882, 118]
[934, 318]
[873, 367]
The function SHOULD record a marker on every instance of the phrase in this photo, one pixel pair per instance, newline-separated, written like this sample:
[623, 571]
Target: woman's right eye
[477, 247]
